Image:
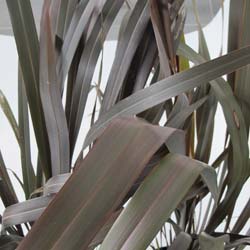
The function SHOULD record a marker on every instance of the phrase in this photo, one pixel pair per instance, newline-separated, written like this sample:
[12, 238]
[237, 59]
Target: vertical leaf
[51, 99]
[130, 40]
[87, 65]
[23, 121]
[153, 203]
[28, 51]
[7, 192]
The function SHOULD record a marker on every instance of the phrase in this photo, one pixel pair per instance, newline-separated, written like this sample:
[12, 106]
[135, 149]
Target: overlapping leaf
[170, 87]
[90, 194]
[51, 99]
[28, 51]
[153, 203]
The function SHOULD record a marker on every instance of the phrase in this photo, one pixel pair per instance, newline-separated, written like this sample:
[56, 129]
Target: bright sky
[8, 84]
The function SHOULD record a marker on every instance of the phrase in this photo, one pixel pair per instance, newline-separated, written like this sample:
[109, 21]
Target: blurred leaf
[9, 115]
[242, 219]
[17, 178]
[183, 62]
[26, 211]
[242, 76]
[9, 242]
[7, 192]
[208, 242]
[240, 244]
[182, 241]
[141, 65]
[23, 140]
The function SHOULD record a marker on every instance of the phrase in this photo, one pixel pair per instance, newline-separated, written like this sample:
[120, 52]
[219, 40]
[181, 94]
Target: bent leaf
[153, 203]
[170, 87]
[89, 195]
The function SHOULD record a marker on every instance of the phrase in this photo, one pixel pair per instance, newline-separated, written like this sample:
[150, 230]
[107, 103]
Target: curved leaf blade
[153, 203]
[89, 195]
[172, 86]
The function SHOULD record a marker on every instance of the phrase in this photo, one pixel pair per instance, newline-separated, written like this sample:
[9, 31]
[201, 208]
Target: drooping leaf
[93, 197]
[153, 203]
[236, 126]
[9, 242]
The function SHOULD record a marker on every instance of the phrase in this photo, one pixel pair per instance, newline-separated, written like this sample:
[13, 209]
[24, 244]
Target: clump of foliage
[144, 168]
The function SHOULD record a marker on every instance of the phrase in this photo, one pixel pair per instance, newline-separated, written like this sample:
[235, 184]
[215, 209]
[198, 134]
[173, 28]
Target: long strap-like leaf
[87, 65]
[97, 186]
[51, 99]
[153, 203]
[239, 172]
[7, 191]
[24, 132]
[28, 51]
[130, 40]
[170, 87]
